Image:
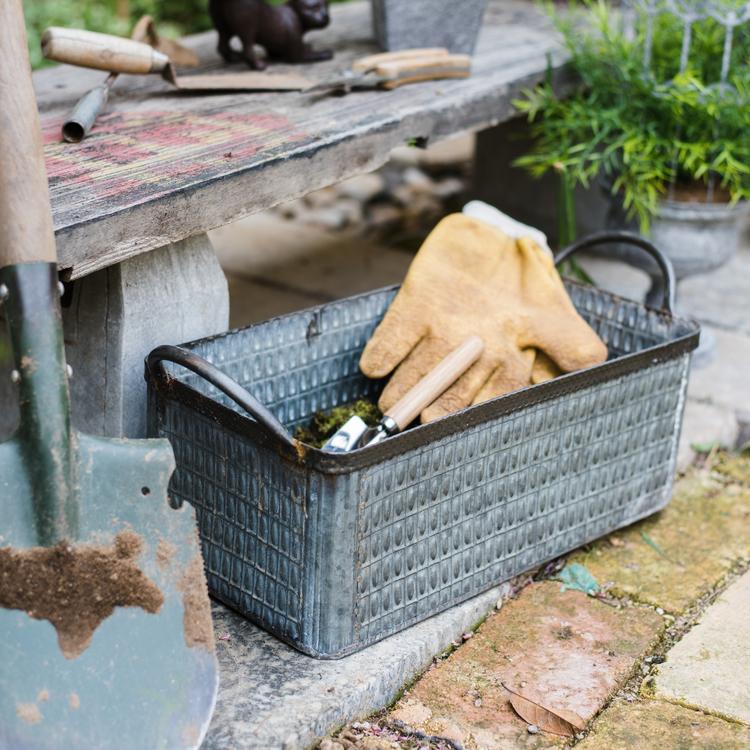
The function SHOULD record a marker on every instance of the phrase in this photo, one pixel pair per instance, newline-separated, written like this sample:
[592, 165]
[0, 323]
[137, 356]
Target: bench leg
[116, 316]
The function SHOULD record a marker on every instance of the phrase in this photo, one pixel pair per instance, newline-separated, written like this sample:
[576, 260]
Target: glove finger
[513, 373]
[544, 368]
[396, 336]
[461, 393]
[424, 357]
[568, 340]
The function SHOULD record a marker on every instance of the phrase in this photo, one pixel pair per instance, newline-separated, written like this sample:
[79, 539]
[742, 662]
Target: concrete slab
[655, 724]
[720, 298]
[704, 425]
[564, 647]
[254, 301]
[725, 381]
[266, 248]
[616, 276]
[710, 667]
[673, 558]
[273, 697]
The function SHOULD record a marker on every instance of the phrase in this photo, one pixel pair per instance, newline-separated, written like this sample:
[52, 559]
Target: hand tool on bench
[356, 434]
[90, 105]
[105, 623]
[90, 49]
[390, 70]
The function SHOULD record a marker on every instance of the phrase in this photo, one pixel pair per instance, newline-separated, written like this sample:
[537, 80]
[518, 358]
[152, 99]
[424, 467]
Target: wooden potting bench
[133, 202]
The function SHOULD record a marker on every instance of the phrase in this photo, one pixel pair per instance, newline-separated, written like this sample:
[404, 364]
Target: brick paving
[612, 658]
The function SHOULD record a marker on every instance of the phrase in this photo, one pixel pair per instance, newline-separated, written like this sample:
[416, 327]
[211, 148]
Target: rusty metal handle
[628, 238]
[211, 374]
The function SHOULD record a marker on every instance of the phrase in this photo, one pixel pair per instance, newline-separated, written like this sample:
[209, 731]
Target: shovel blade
[148, 677]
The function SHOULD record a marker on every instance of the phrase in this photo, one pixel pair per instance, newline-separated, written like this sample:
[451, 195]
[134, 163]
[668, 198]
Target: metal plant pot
[402, 24]
[697, 237]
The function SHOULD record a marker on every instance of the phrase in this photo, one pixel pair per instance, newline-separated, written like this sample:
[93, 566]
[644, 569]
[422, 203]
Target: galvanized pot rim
[697, 211]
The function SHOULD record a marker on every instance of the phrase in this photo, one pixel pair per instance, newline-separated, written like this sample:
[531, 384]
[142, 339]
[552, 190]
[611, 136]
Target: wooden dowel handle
[363, 64]
[435, 383]
[89, 49]
[26, 232]
[435, 68]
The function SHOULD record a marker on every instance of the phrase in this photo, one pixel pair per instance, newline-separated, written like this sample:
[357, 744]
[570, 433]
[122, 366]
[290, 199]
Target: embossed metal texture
[332, 552]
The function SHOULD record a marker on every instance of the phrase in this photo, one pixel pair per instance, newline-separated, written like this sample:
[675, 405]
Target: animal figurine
[277, 28]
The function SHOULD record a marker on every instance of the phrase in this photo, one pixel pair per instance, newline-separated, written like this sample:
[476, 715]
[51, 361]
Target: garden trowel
[90, 49]
[105, 625]
[356, 434]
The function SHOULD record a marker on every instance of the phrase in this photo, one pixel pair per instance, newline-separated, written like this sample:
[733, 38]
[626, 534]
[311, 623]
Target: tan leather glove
[470, 278]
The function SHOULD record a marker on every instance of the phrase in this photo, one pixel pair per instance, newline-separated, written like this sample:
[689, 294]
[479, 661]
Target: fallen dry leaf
[555, 721]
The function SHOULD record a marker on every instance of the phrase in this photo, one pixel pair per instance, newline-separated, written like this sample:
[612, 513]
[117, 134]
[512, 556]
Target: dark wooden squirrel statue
[277, 28]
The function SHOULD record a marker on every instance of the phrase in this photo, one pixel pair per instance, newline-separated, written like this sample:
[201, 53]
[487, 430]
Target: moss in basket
[324, 424]
[644, 129]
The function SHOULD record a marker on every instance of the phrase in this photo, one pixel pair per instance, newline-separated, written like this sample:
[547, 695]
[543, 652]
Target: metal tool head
[348, 437]
[105, 626]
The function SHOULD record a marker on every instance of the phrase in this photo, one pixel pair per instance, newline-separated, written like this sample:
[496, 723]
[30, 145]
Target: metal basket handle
[628, 238]
[204, 369]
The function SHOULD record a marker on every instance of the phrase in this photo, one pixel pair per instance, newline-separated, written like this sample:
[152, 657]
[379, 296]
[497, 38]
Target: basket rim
[172, 388]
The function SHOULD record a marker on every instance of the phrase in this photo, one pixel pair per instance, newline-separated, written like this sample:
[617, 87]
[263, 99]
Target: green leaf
[577, 577]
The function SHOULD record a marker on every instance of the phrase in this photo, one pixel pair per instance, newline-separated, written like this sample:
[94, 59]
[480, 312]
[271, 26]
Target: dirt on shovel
[76, 587]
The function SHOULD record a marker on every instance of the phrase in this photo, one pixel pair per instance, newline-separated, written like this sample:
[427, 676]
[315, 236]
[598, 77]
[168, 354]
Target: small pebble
[659, 611]
[466, 636]
[532, 729]
[478, 702]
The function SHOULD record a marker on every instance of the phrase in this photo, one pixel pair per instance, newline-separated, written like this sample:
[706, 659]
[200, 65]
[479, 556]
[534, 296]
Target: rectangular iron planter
[334, 552]
[404, 24]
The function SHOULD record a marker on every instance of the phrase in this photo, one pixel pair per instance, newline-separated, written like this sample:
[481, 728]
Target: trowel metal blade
[349, 437]
[144, 681]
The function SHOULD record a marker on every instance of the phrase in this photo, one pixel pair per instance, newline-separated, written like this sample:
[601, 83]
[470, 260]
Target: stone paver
[724, 380]
[272, 697]
[720, 297]
[705, 425]
[569, 649]
[710, 667]
[736, 468]
[673, 558]
[655, 724]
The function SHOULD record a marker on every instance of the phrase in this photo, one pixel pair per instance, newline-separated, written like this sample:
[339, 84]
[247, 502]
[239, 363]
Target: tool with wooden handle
[356, 434]
[105, 623]
[90, 49]
[90, 105]
[390, 70]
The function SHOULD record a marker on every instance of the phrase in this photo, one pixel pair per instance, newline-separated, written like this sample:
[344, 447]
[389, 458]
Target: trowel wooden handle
[436, 383]
[26, 233]
[363, 64]
[89, 49]
[429, 68]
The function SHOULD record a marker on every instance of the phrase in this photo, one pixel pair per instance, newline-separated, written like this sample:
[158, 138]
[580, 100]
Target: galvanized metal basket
[331, 552]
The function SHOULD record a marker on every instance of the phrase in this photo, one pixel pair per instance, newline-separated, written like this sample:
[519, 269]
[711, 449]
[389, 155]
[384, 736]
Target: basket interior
[307, 361]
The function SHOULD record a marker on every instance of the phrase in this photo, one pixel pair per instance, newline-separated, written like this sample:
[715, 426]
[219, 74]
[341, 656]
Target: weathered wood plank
[161, 166]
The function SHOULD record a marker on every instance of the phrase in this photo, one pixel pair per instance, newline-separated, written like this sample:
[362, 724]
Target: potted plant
[665, 133]
[402, 24]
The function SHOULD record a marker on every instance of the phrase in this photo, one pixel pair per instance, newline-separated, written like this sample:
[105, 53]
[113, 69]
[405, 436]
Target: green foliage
[174, 18]
[644, 129]
[325, 424]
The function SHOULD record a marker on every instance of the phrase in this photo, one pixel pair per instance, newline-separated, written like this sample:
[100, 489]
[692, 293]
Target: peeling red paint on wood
[137, 156]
